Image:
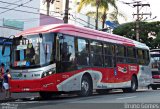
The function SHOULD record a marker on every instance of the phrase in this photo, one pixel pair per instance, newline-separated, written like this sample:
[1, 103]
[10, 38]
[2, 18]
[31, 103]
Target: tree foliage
[103, 6]
[149, 32]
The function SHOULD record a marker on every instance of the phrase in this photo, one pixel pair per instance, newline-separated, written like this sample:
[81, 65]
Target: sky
[129, 10]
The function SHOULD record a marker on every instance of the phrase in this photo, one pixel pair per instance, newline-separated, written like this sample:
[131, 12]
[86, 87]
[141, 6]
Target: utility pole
[138, 4]
[66, 12]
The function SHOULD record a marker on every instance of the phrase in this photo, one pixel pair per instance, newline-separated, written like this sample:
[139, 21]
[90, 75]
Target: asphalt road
[142, 99]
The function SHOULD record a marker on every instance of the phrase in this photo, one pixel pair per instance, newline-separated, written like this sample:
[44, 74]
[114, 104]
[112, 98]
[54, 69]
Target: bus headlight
[48, 72]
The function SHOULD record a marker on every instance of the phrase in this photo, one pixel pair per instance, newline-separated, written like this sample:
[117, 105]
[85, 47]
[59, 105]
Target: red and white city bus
[155, 68]
[63, 58]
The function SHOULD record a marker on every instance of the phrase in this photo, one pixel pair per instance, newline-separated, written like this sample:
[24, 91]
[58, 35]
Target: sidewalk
[16, 96]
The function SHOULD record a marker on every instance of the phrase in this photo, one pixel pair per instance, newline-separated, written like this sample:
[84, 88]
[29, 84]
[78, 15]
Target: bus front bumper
[32, 85]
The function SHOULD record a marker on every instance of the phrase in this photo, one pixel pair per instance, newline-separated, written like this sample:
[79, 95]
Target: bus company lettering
[102, 86]
[133, 68]
[123, 70]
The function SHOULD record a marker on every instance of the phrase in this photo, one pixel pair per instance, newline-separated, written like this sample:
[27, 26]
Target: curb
[7, 100]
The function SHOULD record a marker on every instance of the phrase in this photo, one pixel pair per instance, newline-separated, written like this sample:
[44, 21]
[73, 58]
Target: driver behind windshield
[30, 52]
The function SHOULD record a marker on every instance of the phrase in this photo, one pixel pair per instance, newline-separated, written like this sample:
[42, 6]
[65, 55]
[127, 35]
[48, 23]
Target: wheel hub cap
[85, 86]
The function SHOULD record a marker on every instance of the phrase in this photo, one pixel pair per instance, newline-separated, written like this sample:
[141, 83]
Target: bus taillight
[156, 77]
[154, 66]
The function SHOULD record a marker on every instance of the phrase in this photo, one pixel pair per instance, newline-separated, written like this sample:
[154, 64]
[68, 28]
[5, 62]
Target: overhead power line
[22, 5]
[18, 10]
[16, 7]
[44, 18]
[27, 12]
[81, 20]
[139, 5]
[13, 2]
[138, 14]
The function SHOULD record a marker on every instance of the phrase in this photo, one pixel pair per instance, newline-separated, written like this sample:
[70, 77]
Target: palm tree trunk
[103, 19]
[103, 23]
[48, 6]
[97, 6]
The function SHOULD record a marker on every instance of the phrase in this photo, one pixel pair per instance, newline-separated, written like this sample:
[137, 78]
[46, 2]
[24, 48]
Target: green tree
[149, 32]
[126, 30]
[102, 4]
[48, 4]
[111, 16]
[156, 41]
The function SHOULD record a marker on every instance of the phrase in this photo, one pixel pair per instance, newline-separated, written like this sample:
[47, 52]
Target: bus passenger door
[110, 62]
[120, 66]
[66, 62]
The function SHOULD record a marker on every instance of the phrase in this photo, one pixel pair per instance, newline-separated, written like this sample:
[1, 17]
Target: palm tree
[102, 4]
[104, 15]
[48, 4]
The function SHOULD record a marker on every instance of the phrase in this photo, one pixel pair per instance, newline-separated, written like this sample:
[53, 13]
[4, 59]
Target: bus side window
[67, 53]
[121, 54]
[146, 57]
[131, 55]
[82, 53]
[108, 55]
[96, 53]
[140, 54]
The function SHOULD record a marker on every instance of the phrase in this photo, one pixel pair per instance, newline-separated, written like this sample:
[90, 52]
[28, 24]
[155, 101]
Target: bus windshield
[33, 50]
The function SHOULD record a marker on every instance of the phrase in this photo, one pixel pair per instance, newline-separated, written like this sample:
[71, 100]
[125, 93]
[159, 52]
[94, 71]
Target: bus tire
[86, 86]
[125, 90]
[134, 86]
[46, 95]
[154, 88]
[102, 91]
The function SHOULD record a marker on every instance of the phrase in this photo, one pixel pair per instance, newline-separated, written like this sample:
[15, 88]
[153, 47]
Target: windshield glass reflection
[33, 50]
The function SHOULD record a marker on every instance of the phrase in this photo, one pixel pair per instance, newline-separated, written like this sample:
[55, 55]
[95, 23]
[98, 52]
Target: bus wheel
[125, 90]
[154, 87]
[86, 87]
[46, 95]
[134, 85]
[102, 91]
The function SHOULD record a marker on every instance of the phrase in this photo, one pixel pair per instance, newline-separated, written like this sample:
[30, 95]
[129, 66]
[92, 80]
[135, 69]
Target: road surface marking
[25, 102]
[126, 97]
